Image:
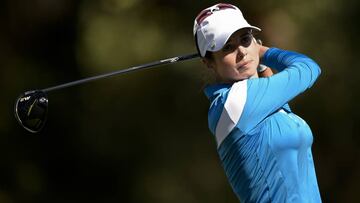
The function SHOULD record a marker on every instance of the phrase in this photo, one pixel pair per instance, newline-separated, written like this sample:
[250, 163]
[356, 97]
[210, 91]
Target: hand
[262, 49]
[266, 73]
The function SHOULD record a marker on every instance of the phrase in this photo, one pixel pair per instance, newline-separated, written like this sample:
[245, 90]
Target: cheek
[225, 62]
[224, 68]
[255, 54]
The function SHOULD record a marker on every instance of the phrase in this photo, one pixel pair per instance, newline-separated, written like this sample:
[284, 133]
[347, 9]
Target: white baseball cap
[214, 26]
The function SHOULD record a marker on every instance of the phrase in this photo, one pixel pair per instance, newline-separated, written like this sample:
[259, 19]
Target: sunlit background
[143, 137]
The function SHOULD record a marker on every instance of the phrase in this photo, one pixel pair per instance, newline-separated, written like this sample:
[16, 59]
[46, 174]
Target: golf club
[31, 107]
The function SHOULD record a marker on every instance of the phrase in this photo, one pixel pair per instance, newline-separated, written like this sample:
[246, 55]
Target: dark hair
[208, 55]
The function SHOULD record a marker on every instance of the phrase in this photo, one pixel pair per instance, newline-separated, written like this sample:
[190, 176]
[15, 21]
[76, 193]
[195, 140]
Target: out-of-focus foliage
[143, 137]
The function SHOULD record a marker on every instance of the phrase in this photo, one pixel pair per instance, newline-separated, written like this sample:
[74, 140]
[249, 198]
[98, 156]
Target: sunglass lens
[246, 40]
[31, 110]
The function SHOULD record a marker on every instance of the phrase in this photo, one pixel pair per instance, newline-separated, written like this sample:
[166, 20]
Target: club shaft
[131, 69]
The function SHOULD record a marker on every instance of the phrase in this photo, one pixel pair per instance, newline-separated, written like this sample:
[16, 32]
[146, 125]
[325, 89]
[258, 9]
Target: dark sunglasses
[207, 12]
[244, 40]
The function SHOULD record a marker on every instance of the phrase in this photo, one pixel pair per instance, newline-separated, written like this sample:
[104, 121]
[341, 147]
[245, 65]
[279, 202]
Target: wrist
[261, 68]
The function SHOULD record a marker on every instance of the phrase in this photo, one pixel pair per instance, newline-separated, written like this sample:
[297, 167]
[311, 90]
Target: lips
[244, 64]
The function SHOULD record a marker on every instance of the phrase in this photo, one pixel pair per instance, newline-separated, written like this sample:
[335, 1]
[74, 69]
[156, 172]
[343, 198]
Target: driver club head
[31, 110]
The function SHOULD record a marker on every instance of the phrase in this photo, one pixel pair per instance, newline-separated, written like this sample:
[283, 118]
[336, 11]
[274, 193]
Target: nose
[241, 53]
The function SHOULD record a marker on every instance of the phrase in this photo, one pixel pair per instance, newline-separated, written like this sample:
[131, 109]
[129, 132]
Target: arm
[267, 72]
[296, 73]
[248, 102]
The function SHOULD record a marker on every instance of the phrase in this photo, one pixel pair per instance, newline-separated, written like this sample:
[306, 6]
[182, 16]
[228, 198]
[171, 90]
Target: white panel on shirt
[232, 111]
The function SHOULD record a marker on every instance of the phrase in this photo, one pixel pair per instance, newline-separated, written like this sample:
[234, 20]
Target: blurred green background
[143, 137]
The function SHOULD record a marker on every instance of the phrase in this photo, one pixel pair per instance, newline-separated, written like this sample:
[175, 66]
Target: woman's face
[237, 60]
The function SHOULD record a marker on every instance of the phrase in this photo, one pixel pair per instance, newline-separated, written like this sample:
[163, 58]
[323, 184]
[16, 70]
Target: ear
[209, 64]
[257, 41]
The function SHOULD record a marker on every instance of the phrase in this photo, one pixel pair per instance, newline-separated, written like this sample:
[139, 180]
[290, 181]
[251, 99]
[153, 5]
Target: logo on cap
[216, 8]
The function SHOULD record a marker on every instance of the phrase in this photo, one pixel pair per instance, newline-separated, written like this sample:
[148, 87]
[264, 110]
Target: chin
[248, 74]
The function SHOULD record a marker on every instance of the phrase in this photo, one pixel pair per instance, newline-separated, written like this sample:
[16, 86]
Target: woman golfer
[264, 147]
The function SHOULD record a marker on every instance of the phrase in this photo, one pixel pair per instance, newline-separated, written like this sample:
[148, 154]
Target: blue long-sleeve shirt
[264, 148]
